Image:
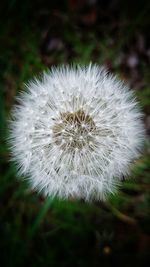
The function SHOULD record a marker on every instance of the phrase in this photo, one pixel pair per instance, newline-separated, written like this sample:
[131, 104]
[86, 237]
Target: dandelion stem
[121, 216]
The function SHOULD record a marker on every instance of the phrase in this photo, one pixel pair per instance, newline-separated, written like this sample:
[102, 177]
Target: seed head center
[73, 130]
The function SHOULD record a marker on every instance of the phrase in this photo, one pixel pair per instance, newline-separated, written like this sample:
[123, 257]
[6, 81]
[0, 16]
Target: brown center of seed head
[73, 130]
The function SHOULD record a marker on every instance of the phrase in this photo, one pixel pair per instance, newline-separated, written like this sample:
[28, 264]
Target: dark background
[33, 36]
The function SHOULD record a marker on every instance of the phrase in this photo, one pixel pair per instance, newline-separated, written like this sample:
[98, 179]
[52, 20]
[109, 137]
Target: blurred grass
[38, 232]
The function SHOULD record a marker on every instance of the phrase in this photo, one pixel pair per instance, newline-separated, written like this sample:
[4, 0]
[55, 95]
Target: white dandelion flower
[75, 132]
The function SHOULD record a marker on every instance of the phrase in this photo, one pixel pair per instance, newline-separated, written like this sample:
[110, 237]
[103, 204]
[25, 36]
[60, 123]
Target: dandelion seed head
[75, 132]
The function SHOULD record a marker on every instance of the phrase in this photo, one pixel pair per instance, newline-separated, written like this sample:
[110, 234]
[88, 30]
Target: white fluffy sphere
[75, 132]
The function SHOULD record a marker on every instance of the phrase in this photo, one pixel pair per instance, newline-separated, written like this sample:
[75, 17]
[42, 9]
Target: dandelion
[75, 132]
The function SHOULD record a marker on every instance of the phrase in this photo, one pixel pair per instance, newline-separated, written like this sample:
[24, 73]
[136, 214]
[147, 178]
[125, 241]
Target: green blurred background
[43, 232]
